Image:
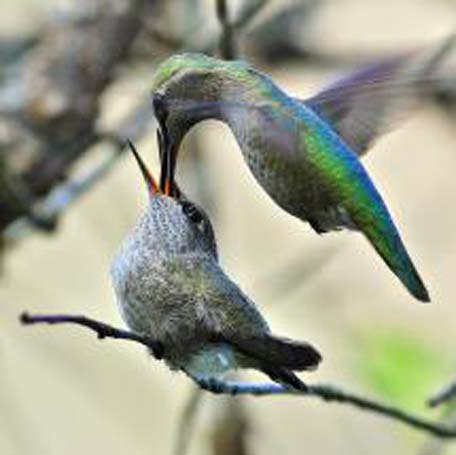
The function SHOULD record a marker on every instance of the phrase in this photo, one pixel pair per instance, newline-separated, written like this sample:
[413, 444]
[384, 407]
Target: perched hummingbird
[305, 154]
[170, 287]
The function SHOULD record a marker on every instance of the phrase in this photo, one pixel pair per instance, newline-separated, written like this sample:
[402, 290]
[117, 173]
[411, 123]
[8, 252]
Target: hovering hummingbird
[305, 154]
[170, 287]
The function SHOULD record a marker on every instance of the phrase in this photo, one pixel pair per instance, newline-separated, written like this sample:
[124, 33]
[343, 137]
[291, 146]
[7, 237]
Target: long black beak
[191, 113]
[167, 155]
[167, 151]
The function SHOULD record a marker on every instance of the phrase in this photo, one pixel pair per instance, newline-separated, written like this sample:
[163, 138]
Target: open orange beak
[152, 185]
[169, 189]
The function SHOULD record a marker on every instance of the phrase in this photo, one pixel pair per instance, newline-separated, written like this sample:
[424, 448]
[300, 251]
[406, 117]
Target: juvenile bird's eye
[193, 214]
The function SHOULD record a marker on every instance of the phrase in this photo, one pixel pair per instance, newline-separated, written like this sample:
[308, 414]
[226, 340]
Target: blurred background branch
[51, 100]
[187, 421]
[231, 427]
[227, 39]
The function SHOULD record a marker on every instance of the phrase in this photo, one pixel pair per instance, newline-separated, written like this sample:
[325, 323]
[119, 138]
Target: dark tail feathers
[281, 356]
[276, 356]
[287, 353]
[279, 352]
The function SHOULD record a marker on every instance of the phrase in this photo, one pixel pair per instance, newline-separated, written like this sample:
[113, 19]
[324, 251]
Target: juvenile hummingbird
[305, 154]
[170, 287]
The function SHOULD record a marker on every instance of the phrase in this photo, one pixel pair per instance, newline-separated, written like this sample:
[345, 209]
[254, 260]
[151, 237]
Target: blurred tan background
[64, 392]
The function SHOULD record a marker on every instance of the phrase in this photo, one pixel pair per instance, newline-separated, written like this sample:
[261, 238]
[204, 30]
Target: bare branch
[446, 394]
[436, 446]
[100, 328]
[330, 393]
[247, 13]
[325, 392]
[53, 107]
[49, 210]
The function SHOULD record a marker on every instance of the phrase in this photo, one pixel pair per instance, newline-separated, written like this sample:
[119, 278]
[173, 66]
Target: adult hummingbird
[305, 154]
[170, 287]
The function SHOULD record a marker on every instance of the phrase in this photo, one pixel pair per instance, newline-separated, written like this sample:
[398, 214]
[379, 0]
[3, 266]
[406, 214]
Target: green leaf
[401, 367]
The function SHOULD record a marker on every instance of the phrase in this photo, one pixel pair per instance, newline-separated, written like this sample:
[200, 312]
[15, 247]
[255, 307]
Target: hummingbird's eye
[160, 109]
[192, 213]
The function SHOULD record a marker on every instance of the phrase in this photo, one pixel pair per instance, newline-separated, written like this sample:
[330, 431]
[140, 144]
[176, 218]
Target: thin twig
[436, 446]
[100, 328]
[227, 43]
[247, 13]
[187, 421]
[187, 42]
[325, 392]
[332, 393]
[446, 394]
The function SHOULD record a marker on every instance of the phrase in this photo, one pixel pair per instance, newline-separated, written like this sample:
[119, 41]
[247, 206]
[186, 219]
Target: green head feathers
[184, 64]
[175, 64]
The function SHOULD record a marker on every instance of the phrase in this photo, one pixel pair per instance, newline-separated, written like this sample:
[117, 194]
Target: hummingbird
[304, 153]
[170, 287]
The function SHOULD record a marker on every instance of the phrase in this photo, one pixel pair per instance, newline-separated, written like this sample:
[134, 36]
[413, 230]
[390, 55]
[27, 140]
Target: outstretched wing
[366, 104]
